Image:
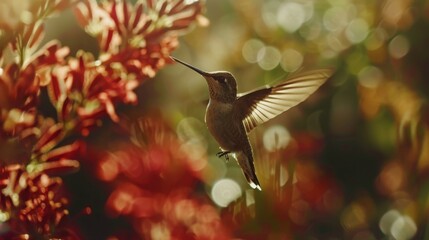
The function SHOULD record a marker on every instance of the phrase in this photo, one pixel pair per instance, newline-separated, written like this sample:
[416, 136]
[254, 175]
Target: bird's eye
[222, 80]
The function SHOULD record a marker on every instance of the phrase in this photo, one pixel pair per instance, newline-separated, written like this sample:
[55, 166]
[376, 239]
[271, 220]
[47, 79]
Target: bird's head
[222, 84]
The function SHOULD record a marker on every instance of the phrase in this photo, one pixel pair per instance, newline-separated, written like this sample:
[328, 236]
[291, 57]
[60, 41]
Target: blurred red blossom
[156, 161]
[167, 215]
[157, 167]
[154, 182]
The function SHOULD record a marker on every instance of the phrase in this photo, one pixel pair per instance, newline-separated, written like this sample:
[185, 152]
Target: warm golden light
[399, 46]
[291, 60]
[291, 16]
[269, 57]
[225, 191]
[275, 138]
[251, 49]
[103, 135]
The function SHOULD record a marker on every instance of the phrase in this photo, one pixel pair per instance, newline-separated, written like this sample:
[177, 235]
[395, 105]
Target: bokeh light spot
[335, 43]
[311, 31]
[399, 46]
[225, 191]
[185, 210]
[353, 217]
[26, 17]
[403, 228]
[370, 76]
[275, 138]
[196, 152]
[387, 220]
[269, 14]
[160, 231]
[269, 57]
[121, 201]
[391, 179]
[395, 13]
[4, 216]
[335, 19]
[250, 50]
[291, 60]
[357, 30]
[291, 16]
[376, 39]
[108, 169]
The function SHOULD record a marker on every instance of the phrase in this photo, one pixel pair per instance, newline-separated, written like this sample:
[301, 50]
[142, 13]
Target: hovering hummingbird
[231, 116]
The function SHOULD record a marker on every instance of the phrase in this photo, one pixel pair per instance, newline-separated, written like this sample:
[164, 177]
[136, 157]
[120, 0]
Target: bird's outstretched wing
[257, 107]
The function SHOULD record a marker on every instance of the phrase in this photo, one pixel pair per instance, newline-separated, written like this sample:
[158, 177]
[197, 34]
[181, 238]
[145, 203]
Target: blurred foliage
[355, 164]
[351, 162]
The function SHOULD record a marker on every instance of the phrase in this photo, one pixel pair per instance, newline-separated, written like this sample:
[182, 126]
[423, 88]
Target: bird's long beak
[191, 67]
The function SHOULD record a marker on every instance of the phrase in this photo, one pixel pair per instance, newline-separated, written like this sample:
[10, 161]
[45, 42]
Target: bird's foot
[223, 153]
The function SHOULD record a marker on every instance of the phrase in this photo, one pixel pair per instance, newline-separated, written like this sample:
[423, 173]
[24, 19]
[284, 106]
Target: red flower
[137, 39]
[82, 92]
[23, 27]
[19, 88]
[48, 157]
[119, 24]
[142, 63]
[31, 203]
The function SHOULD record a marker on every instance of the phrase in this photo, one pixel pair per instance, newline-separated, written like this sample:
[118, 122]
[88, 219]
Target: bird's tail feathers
[253, 181]
[246, 164]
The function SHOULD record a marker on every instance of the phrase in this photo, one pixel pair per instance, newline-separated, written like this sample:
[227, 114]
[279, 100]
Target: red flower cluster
[31, 203]
[135, 42]
[136, 39]
[82, 92]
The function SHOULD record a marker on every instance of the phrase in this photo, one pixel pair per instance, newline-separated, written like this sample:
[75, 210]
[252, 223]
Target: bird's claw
[223, 153]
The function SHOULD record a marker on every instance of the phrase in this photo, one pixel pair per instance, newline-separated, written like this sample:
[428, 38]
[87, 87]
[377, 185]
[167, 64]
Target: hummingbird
[230, 117]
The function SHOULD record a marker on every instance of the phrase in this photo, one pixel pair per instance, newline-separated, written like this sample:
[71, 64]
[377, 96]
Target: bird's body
[225, 125]
[231, 116]
[222, 122]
